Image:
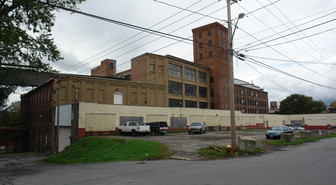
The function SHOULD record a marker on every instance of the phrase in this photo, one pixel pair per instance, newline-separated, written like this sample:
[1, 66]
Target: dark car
[159, 127]
[276, 131]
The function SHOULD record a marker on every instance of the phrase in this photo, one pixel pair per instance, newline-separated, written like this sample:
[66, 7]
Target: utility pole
[231, 77]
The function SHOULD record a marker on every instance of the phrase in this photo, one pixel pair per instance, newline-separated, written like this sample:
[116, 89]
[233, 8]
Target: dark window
[203, 105]
[111, 66]
[190, 90]
[202, 92]
[212, 105]
[212, 93]
[200, 45]
[209, 33]
[202, 77]
[190, 104]
[175, 87]
[200, 35]
[201, 56]
[211, 80]
[210, 54]
[210, 43]
[175, 103]
[151, 67]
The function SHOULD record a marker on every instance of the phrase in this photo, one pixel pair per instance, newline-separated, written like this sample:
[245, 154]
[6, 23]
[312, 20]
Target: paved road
[312, 163]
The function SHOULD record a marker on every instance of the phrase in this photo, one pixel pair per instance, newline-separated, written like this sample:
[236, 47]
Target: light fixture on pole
[231, 77]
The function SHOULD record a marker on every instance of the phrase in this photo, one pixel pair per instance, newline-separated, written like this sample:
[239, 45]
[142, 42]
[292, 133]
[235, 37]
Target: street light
[231, 77]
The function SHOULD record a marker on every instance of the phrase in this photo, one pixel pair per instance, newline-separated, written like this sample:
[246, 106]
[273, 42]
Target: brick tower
[210, 49]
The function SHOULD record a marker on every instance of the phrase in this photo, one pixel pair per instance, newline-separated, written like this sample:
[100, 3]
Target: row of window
[189, 74]
[187, 104]
[249, 93]
[152, 68]
[200, 35]
[240, 100]
[209, 55]
[253, 111]
[189, 90]
[200, 44]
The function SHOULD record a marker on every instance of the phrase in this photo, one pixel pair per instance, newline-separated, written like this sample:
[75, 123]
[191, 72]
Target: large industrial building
[153, 80]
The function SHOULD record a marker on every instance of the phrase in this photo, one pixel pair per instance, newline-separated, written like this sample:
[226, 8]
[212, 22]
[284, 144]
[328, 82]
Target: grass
[92, 149]
[297, 140]
[213, 152]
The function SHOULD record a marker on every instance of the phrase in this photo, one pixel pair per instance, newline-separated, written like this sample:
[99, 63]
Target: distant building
[273, 107]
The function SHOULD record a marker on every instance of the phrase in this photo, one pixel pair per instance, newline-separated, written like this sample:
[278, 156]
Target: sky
[289, 46]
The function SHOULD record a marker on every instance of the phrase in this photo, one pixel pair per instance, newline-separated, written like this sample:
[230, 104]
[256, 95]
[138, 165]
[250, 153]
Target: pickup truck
[133, 128]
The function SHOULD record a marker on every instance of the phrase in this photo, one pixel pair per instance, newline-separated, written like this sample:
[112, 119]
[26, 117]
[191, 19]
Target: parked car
[197, 127]
[276, 131]
[134, 128]
[160, 127]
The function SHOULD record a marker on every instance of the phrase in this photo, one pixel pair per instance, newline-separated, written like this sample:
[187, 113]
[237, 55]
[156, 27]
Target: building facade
[211, 50]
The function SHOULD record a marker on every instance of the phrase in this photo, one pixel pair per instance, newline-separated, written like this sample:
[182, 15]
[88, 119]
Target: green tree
[25, 35]
[10, 117]
[332, 104]
[301, 104]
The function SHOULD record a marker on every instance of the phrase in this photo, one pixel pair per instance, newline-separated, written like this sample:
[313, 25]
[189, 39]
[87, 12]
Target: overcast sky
[295, 37]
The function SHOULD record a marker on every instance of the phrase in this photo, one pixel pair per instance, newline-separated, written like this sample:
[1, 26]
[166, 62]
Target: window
[201, 56]
[212, 93]
[210, 54]
[242, 100]
[174, 70]
[190, 104]
[160, 68]
[212, 105]
[209, 33]
[220, 43]
[224, 44]
[200, 45]
[118, 98]
[189, 74]
[241, 92]
[211, 80]
[175, 103]
[111, 65]
[202, 91]
[190, 90]
[209, 43]
[200, 35]
[151, 67]
[202, 77]
[203, 105]
[219, 33]
[175, 87]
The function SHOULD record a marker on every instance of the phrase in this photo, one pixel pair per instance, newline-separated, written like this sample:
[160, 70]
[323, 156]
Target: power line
[286, 42]
[70, 68]
[284, 60]
[285, 73]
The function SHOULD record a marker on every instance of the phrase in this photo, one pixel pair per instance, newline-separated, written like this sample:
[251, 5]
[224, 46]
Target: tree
[25, 35]
[332, 104]
[301, 104]
[10, 117]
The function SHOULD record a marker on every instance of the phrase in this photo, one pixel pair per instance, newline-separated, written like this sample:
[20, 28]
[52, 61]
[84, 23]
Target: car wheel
[189, 132]
[204, 131]
[134, 133]
[267, 137]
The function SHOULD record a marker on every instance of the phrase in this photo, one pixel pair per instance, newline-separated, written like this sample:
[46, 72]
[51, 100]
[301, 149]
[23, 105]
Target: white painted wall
[64, 139]
[103, 117]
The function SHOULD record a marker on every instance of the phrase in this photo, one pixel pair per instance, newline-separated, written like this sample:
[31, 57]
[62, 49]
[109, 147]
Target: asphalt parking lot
[184, 145]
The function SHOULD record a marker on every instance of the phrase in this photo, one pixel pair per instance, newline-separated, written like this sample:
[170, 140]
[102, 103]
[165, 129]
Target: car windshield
[195, 124]
[278, 128]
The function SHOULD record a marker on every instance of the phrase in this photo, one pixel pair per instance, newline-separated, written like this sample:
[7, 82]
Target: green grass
[92, 149]
[297, 140]
[210, 154]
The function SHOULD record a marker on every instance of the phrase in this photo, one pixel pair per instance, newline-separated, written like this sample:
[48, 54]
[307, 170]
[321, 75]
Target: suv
[197, 127]
[159, 127]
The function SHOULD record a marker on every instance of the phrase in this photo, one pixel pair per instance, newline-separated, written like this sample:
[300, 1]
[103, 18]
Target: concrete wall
[102, 117]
